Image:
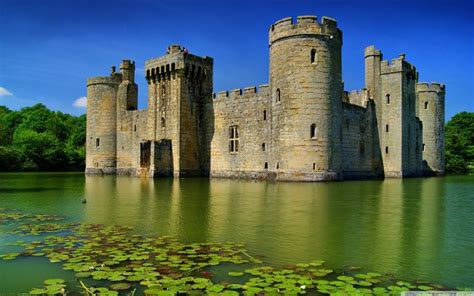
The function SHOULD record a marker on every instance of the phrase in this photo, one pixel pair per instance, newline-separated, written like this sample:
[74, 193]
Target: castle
[302, 126]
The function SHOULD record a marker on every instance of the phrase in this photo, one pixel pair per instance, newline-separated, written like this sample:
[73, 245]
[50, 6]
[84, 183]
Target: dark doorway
[145, 152]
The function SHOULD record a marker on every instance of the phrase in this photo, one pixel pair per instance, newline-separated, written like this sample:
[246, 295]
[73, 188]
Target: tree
[38, 139]
[38, 151]
[459, 135]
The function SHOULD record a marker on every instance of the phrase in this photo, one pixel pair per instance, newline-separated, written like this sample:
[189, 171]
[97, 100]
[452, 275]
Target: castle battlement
[431, 87]
[239, 93]
[397, 65]
[177, 60]
[305, 25]
[358, 92]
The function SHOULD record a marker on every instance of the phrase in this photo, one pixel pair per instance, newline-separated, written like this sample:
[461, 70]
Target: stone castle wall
[359, 145]
[302, 126]
[248, 110]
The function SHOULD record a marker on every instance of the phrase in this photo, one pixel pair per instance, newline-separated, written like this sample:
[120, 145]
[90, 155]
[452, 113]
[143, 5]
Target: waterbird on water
[84, 201]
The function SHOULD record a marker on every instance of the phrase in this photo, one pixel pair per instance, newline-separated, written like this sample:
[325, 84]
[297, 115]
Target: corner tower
[431, 112]
[305, 93]
[101, 136]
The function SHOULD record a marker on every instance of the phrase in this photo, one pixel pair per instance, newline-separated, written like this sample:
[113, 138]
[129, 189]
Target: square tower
[179, 91]
[399, 128]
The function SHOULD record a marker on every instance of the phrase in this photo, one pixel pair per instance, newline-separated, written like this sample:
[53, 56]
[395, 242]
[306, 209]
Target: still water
[414, 228]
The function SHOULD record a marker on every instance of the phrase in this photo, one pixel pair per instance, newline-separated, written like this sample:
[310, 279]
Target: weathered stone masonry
[302, 126]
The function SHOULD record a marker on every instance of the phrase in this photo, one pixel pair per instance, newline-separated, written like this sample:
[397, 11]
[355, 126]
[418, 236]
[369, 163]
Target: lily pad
[120, 286]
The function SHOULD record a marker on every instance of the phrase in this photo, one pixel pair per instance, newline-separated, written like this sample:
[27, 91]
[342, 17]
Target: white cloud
[4, 92]
[80, 103]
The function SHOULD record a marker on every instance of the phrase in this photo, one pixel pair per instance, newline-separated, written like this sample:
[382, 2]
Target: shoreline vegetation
[36, 139]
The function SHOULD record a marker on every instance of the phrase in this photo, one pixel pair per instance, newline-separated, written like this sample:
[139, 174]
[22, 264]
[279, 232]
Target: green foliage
[38, 139]
[460, 143]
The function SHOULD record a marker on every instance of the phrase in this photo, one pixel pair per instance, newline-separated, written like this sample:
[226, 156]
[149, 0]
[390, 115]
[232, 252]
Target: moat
[416, 229]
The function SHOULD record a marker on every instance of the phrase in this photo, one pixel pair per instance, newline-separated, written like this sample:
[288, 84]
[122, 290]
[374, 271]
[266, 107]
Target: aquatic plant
[108, 259]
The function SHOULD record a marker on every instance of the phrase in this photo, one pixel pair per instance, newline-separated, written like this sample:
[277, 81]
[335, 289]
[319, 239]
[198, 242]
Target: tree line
[38, 139]
[459, 143]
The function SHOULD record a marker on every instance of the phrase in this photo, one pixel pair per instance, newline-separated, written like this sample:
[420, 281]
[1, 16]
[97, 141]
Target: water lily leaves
[121, 260]
[215, 288]
[229, 293]
[345, 278]
[116, 277]
[364, 283]
[380, 291]
[374, 274]
[55, 289]
[103, 292]
[120, 286]
[9, 256]
[37, 291]
[83, 274]
[406, 284]
[53, 281]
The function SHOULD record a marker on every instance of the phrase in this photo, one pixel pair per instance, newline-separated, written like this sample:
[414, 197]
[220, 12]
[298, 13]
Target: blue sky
[48, 48]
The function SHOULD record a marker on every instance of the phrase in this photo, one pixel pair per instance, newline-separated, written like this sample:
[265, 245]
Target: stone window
[423, 147]
[264, 114]
[163, 122]
[388, 98]
[266, 165]
[233, 139]
[314, 166]
[313, 131]
[278, 166]
[97, 142]
[386, 128]
[386, 149]
[278, 95]
[263, 146]
[426, 105]
[314, 57]
[135, 128]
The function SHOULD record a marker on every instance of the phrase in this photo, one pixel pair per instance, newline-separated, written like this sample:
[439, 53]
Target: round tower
[306, 98]
[431, 113]
[101, 141]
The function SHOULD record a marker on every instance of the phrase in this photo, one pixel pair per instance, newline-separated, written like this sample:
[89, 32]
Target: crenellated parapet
[430, 87]
[397, 65]
[305, 25]
[358, 97]
[241, 93]
[178, 61]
